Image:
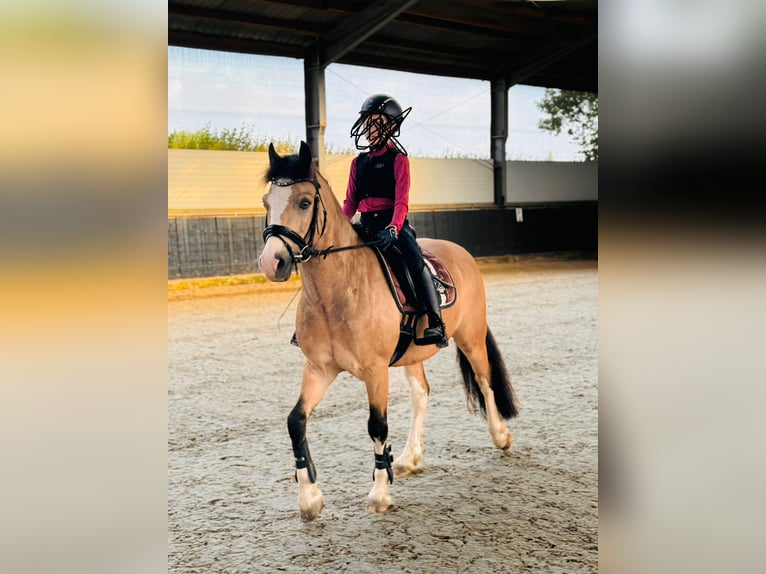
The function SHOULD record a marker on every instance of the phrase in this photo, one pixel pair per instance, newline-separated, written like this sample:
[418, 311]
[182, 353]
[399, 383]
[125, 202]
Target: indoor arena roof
[548, 43]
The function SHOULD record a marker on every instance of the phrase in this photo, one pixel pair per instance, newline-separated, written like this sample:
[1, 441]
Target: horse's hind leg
[479, 381]
[379, 499]
[412, 455]
[314, 385]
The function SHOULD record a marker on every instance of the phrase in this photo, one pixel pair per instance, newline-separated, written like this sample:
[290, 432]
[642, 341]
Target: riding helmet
[384, 105]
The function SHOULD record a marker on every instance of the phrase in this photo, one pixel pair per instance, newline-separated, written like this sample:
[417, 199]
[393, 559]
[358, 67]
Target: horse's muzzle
[276, 266]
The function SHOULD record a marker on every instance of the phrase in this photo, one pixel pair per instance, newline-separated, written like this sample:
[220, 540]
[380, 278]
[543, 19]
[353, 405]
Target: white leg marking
[497, 427]
[379, 500]
[310, 498]
[412, 455]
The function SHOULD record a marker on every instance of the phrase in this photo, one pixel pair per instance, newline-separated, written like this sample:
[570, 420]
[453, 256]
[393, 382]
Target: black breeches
[410, 250]
[407, 244]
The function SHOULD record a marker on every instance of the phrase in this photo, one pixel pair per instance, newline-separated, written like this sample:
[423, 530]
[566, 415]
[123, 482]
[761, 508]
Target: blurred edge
[682, 278]
[82, 287]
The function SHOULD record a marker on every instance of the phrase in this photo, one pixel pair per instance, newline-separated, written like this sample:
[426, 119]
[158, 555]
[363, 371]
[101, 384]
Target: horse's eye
[304, 203]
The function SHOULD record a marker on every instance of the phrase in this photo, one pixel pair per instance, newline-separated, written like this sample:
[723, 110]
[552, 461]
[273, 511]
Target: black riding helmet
[387, 106]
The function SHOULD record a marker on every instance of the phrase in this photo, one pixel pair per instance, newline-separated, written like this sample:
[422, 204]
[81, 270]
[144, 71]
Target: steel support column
[316, 113]
[499, 129]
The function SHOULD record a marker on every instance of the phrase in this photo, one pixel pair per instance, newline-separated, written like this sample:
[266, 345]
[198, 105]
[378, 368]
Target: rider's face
[372, 127]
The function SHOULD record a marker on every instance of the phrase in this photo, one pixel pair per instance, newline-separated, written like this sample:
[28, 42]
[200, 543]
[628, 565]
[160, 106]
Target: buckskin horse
[348, 320]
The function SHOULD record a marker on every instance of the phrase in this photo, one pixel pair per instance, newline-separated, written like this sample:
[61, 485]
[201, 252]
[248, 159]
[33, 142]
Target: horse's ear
[273, 155]
[305, 158]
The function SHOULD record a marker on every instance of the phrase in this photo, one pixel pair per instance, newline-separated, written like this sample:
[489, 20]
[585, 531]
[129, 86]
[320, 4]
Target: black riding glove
[386, 237]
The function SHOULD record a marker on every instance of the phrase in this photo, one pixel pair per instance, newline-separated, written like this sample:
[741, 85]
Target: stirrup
[433, 336]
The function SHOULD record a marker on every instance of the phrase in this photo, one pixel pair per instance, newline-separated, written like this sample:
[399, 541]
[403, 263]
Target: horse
[347, 320]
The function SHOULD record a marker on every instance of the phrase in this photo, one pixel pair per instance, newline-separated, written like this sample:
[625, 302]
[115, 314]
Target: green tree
[577, 112]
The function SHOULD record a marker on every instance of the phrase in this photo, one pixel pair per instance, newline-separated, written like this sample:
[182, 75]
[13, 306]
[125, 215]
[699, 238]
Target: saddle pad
[445, 286]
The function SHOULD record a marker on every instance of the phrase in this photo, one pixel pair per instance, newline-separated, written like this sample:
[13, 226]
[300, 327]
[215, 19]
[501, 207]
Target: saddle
[402, 289]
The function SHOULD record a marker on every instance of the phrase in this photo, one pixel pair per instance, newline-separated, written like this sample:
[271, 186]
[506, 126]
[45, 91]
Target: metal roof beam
[227, 17]
[225, 43]
[355, 29]
[519, 24]
[542, 58]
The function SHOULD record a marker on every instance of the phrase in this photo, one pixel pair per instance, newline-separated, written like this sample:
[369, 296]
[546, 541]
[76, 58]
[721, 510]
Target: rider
[379, 188]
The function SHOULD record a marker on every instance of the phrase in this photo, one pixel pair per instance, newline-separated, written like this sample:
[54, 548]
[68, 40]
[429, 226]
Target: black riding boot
[435, 333]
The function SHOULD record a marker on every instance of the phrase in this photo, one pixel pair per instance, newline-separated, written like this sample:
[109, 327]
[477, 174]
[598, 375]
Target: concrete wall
[536, 182]
[203, 182]
[215, 217]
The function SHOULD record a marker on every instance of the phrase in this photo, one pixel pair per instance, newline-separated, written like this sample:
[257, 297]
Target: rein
[305, 244]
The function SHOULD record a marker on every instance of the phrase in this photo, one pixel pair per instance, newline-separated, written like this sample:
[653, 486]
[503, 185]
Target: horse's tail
[500, 382]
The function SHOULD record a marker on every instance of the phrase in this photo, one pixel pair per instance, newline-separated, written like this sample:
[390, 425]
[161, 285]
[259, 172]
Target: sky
[450, 116]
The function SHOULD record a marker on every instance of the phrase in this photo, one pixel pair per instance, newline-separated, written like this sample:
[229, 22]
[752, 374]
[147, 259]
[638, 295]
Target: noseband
[305, 244]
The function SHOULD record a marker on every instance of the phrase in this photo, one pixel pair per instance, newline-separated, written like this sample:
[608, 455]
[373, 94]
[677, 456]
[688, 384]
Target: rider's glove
[386, 237]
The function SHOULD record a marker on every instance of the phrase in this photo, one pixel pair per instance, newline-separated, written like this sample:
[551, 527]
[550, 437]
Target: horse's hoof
[402, 469]
[311, 503]
[502, 439]
[379, 506]
[310, 513]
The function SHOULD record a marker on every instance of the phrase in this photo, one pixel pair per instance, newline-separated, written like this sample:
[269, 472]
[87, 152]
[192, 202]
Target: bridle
[305, 244]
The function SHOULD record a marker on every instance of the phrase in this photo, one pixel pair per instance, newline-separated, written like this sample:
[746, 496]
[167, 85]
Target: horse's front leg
[409, 460]
[313, 388]
[379, 500]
